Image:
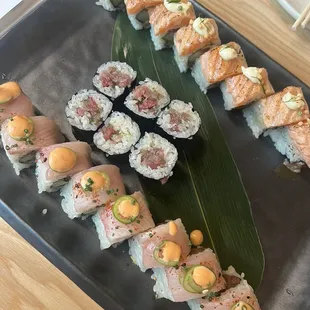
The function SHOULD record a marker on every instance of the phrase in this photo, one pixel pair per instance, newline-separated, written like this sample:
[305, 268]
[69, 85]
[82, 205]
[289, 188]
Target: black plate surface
[54, 53]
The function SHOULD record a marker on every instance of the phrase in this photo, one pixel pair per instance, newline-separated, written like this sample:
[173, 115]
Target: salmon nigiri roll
[218, 64]
[252, 85]
[92, 188]
[193, 40]
[168, 17]
[281, 109]
[57, 163]
[23, 136]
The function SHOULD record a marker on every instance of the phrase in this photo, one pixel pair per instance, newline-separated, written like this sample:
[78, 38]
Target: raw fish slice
[136, 6]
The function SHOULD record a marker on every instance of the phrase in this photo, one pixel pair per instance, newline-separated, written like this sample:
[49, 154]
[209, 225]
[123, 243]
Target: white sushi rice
[228, 98]
[199, 77]
[283, 143]
[107, 5]
[104, 241]
[137, 25]
[253, 118]
[187, 128]
[87, 121]
[182, 61]
[129, 133]
[161, 287]
[67, 202]
[136, 253]
[162, 95]
[113, 91]
[159, 42]
[148, 142]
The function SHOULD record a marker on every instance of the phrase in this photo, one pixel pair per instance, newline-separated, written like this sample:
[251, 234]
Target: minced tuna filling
[153, 158]
[89, 106]
[176, 119]
[146, 99]
[110, 134]
[113, 77]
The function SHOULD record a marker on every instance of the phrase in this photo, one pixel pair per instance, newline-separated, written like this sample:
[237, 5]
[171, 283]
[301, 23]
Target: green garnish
[150, 235]
[180, 8]
[87, 187]
[130, 231]
[173, 1]
[26, 131]
[300, 113]
[133, 202]
[138, 221]
[212, 295]
[110, 191]
[2, 110]
[7, 147]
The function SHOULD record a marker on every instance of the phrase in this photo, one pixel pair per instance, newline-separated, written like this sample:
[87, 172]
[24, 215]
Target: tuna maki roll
[88, 109]
[163, 246]
[118, 134]
[113, 77]
[147, 99]
[179, 120]
[122, 219]
[92, 188]
[111, 5]
[200, 274]
[154, 157]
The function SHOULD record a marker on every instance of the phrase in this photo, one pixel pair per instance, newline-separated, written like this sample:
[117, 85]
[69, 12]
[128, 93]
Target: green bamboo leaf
[206, 190]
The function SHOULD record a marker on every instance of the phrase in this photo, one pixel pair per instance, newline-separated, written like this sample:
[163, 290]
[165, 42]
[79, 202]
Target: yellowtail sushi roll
[90, 189]
[23, 136]
[165, 245]
[57, 163]
[198, 275]
[120, 220]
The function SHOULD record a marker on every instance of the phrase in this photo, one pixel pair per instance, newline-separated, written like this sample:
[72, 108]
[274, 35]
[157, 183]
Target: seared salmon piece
[136, 6]
[239, 90]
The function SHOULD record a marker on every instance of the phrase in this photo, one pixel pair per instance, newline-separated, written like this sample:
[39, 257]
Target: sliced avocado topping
[241, 305]
[161, 254]
[126, 209]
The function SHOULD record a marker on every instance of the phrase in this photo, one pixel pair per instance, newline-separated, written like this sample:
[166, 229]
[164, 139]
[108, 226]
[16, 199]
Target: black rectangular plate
[54, 53]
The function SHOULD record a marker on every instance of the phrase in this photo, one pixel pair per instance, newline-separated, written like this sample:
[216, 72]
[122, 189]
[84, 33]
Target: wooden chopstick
[303, 14]
[306, 20]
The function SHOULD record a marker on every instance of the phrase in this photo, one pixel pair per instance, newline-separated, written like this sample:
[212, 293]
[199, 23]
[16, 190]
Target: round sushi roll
[118, 134]
[147, 99]
[113, 77]
[154, 157]
[179, 120]
[88, 109]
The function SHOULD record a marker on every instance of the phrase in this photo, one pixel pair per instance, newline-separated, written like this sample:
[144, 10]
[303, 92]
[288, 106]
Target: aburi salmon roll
[239, 295]
[199, 274]
[147, 99]
[138, 13]
[113, 77]
[118, 134]
[154, 157]
[168, 17]
[57, 163]
[192, 40]
[90, 189]
[88, 109]
[163, 246]
[218, 64]
[111, 5]
[179, 120]
[23, 136]
[281, 109]
[242, 89]
[120, 220]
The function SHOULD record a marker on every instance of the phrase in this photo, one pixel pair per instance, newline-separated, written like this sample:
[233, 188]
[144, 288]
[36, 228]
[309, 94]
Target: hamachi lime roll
[120, 220]
[23, 136]
[179, 120]
[147, 99]
[90, 189]
[163, 246]
[238, 296]
[88, 109]
[112, 78]
[111, 5]
[57, 163]
[198, 275]
[118, 134]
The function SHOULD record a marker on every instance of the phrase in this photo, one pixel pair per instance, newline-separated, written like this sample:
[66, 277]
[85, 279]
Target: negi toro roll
[164, 245]
[179, 120]
[23, 136]
[57, 163]
[92, 188]
[218, 64]
[252, 85]
[88, 109]
[122, 219]
[192, 40]
[138, 13]
[281, 109]
[200, 274]
[113, 77]
[238, 296]
[154, 157]
[147, 99]
[111, 5]
[118, 134]
[168, 17]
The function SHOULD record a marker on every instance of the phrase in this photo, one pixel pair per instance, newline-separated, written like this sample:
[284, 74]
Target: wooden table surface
[27, 279]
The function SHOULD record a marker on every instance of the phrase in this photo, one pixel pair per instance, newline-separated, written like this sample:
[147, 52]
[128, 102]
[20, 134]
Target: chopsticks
[303, 19]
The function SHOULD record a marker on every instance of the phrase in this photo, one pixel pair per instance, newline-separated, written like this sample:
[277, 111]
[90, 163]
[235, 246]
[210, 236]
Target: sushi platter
[142, 149]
